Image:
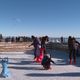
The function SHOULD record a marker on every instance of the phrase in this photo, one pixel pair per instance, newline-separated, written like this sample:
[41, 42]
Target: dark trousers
[72, 54]
[44, 46]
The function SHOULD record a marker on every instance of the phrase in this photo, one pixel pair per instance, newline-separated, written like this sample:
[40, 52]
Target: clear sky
[40, 17]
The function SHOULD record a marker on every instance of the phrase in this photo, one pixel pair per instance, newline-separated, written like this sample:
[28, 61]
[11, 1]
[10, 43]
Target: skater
[62, 40]
[72, 46]
[36, 44]
[46, 62]
[43, 43]
[5, 70]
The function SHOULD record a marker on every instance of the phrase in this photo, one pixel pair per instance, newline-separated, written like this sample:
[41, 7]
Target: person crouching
[46, 62]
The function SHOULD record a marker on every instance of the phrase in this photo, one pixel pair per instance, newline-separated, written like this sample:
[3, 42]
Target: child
[46, 61]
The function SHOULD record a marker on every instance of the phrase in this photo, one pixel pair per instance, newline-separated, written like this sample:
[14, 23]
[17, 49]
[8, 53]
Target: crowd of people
[41, 55]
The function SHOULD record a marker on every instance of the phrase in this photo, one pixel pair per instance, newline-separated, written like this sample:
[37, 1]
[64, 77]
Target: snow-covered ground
[22, 67]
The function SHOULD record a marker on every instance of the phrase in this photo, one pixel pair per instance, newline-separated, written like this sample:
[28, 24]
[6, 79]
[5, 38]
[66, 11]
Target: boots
[70, 61]
[74, 61]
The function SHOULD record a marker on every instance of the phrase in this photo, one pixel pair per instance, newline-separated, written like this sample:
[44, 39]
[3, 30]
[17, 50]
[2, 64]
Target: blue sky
[40, 17]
